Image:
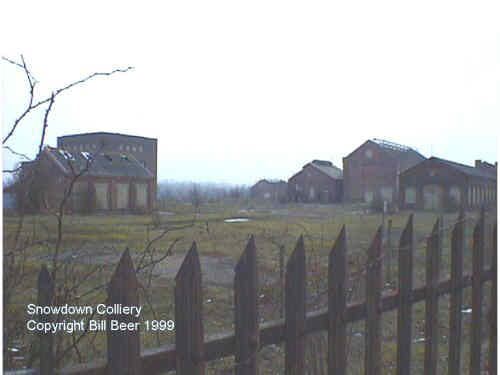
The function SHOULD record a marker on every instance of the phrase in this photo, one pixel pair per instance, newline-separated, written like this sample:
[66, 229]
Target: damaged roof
[327, 168]
[406, 156]
[111, 164]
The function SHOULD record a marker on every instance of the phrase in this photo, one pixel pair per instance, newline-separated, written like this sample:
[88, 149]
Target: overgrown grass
[272, 226]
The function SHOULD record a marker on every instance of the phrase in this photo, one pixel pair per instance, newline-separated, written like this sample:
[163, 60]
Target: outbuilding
[439, 184]
[272, 190]
[318, 181]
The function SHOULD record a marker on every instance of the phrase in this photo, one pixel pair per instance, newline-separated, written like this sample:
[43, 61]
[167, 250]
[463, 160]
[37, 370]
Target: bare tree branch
[22, 66]
[45, 123]
[69, 278]
[12, 170]
[62, 206]
[32, 82]
[16, 153]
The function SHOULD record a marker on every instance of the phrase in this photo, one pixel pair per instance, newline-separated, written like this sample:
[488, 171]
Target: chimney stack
[478, 164]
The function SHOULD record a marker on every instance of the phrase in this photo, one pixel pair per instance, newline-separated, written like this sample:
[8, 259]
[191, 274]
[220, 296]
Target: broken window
[87, 155]
[66, 154]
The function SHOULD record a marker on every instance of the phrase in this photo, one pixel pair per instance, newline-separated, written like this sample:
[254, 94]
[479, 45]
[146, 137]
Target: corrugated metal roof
[114, 164]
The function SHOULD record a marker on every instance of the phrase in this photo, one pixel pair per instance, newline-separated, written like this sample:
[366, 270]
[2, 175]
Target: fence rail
[191, 350]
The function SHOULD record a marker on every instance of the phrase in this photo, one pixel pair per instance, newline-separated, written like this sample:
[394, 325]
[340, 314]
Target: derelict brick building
[108, 181]
[318, 181]
[372, 170]
[143, 149]
[269, 190]
[439, 184]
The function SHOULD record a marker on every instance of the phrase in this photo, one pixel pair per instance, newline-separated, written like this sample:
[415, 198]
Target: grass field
[220, 243]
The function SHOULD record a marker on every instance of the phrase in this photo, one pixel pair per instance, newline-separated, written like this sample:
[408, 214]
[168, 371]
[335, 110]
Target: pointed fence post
[477, 294]
[457, 256]
[188, 316]
[432, 299]
[492, 362]
[246, 312]
[337, 353]
[373, 309]
[124, 345]
[45, 293]
[405, 286]
[295, 311]
[388, 252]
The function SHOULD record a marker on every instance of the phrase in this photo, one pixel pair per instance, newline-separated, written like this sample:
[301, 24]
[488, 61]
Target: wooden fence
[191, 351]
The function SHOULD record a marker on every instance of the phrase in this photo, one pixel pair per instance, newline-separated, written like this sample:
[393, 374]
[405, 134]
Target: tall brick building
[371, 171]
[141, 148]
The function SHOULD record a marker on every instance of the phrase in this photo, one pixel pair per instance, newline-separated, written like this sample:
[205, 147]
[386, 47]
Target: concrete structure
[318, 181]
[438, 184]
[145, 150]
[371, 172]
[108, 181]
[270, 190]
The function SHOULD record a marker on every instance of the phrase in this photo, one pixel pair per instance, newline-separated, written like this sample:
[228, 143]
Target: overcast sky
[237, 91]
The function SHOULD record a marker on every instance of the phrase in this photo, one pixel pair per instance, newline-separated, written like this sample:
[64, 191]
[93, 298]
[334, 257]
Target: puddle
[237, 220]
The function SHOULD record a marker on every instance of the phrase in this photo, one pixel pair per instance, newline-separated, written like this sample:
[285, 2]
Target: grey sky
[237, 91]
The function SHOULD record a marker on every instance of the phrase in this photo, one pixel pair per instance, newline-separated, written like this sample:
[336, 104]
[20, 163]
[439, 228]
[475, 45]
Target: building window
[411, 195]
[127, 148]
[133, 148]
[121, 147]
[311, 193]
[140, 148]
[455, 195]
[369, 153]
[368, 196]
[386, 194]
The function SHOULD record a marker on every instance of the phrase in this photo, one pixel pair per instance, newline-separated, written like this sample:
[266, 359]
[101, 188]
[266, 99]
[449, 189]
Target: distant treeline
[198, 192]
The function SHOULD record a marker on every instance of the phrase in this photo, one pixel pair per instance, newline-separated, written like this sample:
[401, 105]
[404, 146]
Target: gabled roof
[270, 182]
[406, 155]
[114, 164]
[466, 169]
[323, 166]
[327, 168]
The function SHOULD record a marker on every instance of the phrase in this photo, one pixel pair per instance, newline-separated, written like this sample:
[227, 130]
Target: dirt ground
[216, 270]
